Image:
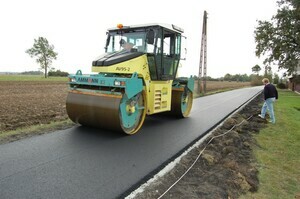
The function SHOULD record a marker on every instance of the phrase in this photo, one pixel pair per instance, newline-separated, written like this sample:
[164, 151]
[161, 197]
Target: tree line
[273, 77]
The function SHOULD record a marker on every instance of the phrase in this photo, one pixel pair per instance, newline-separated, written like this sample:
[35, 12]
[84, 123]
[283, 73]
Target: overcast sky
[77, 30]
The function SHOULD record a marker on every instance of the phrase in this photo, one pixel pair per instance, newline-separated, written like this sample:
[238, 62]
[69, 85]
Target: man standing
[270, 95]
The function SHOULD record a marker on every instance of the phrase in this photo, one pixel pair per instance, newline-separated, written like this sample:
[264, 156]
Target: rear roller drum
[182, 102]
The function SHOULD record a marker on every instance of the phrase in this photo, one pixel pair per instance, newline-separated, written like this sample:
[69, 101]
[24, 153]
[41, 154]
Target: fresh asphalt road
[83, 162]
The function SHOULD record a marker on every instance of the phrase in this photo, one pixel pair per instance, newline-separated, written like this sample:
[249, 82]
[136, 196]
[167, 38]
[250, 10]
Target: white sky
[77, 30]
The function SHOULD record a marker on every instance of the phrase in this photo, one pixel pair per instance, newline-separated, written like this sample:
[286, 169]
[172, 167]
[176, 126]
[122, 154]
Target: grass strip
[10, 136]
[278, 151]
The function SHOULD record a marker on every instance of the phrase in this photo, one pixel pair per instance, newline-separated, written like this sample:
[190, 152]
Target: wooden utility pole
[203, 57]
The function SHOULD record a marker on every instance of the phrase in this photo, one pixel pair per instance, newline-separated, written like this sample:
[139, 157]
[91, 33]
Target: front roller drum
[132, 113]
[182, 101]
[111, 112]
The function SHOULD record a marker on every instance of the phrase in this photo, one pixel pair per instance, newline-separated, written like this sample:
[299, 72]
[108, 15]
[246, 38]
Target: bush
[256, 80]
[57, 73]
[281, 85]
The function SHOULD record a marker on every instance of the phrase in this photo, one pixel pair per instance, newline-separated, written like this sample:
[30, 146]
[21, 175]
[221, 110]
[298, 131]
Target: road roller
[135, 76]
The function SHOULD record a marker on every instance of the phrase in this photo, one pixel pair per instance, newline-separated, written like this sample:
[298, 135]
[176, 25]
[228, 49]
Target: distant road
[83, 162]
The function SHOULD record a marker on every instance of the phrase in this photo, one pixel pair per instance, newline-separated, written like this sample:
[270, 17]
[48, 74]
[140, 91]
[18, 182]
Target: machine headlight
[119, 83]
[72, 79]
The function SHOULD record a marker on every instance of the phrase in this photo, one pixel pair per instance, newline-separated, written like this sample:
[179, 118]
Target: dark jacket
[270, 91]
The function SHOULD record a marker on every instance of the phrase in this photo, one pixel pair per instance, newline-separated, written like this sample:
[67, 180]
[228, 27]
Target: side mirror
[150, 37]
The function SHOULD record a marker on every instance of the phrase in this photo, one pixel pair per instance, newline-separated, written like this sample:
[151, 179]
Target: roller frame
[132, 85]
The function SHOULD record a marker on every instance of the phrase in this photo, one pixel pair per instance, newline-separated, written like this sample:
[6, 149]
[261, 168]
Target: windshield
[131, 40]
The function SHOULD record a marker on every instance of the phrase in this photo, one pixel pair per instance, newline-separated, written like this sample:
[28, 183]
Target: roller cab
[135, 77]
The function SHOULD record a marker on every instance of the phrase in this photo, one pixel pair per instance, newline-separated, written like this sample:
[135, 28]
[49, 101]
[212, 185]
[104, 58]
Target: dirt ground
[226, 168]
[23, 104]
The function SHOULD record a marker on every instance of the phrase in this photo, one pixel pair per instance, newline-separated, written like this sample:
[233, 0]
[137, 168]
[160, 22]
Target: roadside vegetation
[39, 129]
[278, 151]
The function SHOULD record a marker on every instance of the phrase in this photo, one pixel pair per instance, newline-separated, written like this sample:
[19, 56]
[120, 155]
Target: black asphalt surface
[89, 163]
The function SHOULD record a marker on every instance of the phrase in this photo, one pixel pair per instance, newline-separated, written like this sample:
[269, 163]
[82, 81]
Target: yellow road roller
[135, 77]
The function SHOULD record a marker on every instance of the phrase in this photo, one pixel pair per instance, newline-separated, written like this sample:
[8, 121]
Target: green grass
[9, 136]
[32, 78]
[278, 156]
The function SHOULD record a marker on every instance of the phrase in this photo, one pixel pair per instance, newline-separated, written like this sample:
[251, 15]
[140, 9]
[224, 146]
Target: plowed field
[26, 103]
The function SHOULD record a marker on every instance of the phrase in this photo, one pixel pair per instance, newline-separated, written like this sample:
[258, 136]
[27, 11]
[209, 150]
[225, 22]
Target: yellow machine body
[158, 93]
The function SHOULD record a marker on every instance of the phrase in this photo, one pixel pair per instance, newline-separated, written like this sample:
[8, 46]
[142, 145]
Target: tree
[279, 39]
[256, 69]
[276, 78]
[245, 78]
[268, 73]
[44, 53]
[227, 77]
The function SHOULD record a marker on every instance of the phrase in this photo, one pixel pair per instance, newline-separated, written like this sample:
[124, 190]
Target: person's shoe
[259, 115]
[272, 122]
